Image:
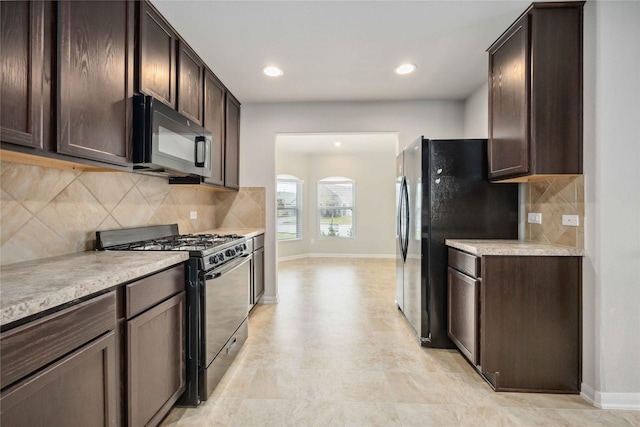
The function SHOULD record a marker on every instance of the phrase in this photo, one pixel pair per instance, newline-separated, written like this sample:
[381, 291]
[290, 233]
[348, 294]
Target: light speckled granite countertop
[512, 247]
[31, 287]
[246, 232]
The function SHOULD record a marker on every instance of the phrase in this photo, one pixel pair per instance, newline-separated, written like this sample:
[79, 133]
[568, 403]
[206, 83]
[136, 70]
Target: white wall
[612, 196]
[296, 164]
[374, 174]
[611, 283]
[261, 122]
[476, 113]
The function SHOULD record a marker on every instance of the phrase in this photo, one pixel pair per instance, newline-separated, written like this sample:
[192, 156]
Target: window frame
[299, 213]
[336, 180]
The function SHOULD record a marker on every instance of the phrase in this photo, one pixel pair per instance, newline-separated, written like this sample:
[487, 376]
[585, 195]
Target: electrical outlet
[193, 215]
[570, 220]
[534, 218]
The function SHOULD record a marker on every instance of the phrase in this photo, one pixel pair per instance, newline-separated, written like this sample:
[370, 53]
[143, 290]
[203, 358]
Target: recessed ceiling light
[272, 71]
[406, 68]
[337, 144]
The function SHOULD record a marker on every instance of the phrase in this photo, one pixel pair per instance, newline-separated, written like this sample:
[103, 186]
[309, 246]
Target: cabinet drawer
[36, 344]
[258, 242]
[464, 262]
[147, 292]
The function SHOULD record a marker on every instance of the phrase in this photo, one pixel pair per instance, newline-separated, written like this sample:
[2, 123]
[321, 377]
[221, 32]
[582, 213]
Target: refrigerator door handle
[405, 194]
[401, 220]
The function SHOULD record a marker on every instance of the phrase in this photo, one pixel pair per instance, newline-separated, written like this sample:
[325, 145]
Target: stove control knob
[220, 257]
[213, 259]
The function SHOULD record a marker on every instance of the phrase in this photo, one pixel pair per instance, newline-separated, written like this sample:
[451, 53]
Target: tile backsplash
[47, 211]
[553, 198]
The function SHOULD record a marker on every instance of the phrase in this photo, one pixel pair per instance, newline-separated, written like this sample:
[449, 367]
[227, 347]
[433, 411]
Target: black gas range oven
[217, 296]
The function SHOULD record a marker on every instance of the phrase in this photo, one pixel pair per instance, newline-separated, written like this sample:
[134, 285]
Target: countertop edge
[512, 247]
[17, 307]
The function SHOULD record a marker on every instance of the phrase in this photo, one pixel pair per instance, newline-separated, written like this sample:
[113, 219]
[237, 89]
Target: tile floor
[335, 351]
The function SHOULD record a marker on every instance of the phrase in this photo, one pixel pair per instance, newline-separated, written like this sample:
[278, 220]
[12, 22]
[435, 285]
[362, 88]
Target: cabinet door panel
[232, 147]
[214, 98]
[463, 313]
[156, 368]
[157, 57]
[190, 80]
[531, 322]
[21, 97]
[509, 100]
[96, 69]
[79, 390]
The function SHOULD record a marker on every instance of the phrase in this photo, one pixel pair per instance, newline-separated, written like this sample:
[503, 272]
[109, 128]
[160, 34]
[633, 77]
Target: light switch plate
[570, 220]
[534, 218]
[193, 215]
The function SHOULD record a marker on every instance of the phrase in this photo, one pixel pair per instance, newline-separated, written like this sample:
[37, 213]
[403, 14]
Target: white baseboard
[269, 300]
[620, 401]
[323, 255]
[290, 258]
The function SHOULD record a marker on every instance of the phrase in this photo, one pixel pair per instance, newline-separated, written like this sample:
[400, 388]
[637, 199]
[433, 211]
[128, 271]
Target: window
[336, 203]
[289, 207]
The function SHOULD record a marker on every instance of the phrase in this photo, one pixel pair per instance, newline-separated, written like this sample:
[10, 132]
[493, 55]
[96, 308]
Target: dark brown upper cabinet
[95, 80]
[157, 74]
[535, 95]
[232, 143]
[190, 81]
[26, 70]
[214, 109]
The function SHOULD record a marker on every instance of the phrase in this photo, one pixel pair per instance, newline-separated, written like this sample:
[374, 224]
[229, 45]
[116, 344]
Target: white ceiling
[344, 50]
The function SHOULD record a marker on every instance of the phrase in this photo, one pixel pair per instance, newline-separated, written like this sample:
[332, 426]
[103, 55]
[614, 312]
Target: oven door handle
[232, 265]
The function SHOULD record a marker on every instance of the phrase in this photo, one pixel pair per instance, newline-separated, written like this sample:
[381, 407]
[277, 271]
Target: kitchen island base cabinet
[517, 319]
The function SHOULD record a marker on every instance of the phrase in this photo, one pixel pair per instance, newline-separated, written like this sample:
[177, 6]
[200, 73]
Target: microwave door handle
[200, 151]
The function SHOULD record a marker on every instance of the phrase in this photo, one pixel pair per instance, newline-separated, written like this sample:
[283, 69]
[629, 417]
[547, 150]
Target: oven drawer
[147, 292]
[221, 363]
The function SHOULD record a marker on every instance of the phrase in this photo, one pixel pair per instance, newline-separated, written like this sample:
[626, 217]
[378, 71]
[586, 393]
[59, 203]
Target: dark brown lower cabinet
[526, 320]
[61, 369]
[121, 352]
[257, 271]
[78, 390]
[463, 325]
[156, 366]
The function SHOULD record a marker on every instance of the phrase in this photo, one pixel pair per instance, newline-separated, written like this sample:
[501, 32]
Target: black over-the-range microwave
[166, 143]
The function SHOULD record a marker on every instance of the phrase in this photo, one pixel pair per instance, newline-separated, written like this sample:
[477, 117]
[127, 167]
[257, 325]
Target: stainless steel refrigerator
[443, 192]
